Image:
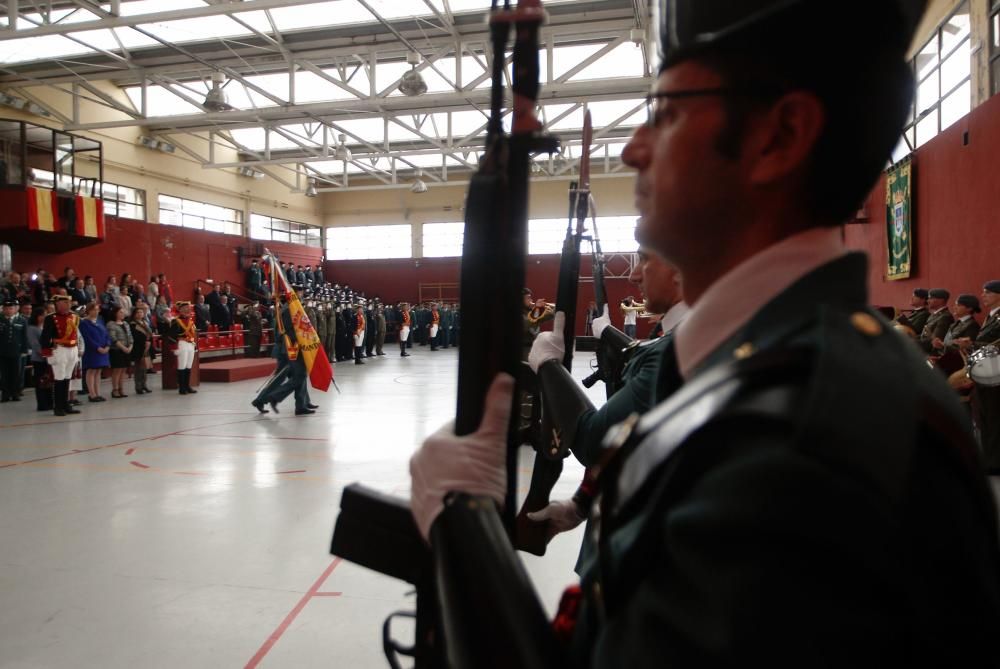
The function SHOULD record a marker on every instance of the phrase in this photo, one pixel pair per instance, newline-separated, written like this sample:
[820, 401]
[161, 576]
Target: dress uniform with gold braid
[59, 340]
[184, 334]
[404, 330]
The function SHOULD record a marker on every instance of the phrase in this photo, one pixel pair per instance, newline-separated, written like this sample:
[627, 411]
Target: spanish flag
[90, 216]
[42, 211]
[309, 346]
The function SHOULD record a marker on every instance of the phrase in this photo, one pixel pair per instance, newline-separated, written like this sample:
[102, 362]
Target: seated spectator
[90, 288]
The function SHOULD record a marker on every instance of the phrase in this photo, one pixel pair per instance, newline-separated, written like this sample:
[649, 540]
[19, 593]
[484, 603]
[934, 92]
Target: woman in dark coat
[142, 347]
[97, 343]
[122, 344]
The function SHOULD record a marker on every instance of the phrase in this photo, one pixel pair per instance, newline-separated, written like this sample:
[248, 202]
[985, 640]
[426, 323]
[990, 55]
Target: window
[280, 230]
[443, 240]
[200, 215]
[943, 71]
[617, 235]
[995, 48]
[120, 201]
[369, 242]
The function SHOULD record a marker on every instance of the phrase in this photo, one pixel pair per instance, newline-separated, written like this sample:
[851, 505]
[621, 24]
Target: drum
[984, 366]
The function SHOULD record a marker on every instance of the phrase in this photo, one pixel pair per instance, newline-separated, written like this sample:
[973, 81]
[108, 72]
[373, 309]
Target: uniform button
[744, 351]
[866, 324]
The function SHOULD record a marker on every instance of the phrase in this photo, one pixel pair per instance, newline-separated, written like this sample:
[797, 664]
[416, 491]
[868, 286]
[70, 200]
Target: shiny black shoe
[312, 406]
[274, 407]
[303, 412]
[259, 406]
[71, 410]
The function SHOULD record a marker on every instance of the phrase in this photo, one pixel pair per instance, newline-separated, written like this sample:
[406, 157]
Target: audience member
[120, 356]
[97, 343]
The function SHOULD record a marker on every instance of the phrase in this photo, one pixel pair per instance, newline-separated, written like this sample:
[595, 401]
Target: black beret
[970, 301]
[992, 286]
[939, 293]
[921, 293]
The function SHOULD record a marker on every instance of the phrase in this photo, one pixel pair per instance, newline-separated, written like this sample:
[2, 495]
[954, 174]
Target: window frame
[294, 232]
[191, 216]
[369, 251]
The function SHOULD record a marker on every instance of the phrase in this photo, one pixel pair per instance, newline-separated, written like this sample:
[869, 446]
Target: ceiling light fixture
[419, 186]
[216, 99]
[342, 152]
[413, 83]
[311, 189]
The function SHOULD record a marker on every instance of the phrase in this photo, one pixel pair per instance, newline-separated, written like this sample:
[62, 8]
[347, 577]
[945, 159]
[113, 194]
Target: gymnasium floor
[171, 531]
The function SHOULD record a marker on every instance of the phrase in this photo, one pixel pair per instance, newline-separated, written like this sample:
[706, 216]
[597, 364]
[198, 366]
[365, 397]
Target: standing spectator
[223, 317]
[162, 315]
[121, 351]
[202, 314]
[165, 288]
[40, 370]
[90, 288]
[13, 344]
[379, 329]
[124, 297]
[109, 299]
[68, 278]
[255, 279]
[255, 330]
[97, 343]
[142, 348]
[231, 301]
[10, 288]
[78, 293]
[153, 291]
[318, 274]
[41, 291]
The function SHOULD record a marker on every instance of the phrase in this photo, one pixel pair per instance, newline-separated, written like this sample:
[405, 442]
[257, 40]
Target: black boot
[357, 356]
[187, 382]
[60, 400]
[181, 383]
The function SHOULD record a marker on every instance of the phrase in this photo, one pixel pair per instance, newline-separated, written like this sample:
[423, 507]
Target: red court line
[283, 627]
[139, 464]
[328, 594]
[130, 451]
[292, 471]
[185, 433]
[113, 418]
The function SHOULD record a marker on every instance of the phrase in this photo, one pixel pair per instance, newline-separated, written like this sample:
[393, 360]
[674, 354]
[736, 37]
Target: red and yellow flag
[90, 216]
[42, 212]
[309, 345]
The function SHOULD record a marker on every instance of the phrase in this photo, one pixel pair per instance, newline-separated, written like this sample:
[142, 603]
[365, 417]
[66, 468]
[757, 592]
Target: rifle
[550, 452]
[615, 348]
[492, 617]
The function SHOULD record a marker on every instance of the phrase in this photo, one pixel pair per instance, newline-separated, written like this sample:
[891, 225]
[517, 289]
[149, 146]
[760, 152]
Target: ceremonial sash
[68, 337]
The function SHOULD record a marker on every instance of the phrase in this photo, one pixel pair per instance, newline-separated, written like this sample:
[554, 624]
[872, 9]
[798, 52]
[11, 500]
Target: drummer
[990, 332]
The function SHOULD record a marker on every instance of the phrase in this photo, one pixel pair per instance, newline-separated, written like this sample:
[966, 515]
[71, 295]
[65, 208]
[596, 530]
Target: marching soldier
[359, 334]
[939, 319]
[13, 345]
[184, 336]
[404, 329]
[60, 334]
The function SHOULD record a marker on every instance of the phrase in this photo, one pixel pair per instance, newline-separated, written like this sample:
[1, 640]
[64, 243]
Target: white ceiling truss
[301, 73]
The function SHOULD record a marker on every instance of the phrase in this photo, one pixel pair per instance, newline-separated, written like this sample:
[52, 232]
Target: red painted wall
[146, 249]
[956, 202]
[399, 280]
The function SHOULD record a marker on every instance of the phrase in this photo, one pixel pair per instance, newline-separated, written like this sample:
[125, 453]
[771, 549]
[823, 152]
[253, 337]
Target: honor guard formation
[739, 407]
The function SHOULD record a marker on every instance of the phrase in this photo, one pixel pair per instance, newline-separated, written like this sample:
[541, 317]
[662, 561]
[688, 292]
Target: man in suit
[203, 312]
[798, 500]
[13, 345]
[964, 326]
[223, 315]
[76, 293]
[939, 320]
[917, 318]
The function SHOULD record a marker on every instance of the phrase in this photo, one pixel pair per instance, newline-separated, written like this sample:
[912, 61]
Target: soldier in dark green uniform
[915, 321]
[13, 345]
[938, 320]
[798, 501]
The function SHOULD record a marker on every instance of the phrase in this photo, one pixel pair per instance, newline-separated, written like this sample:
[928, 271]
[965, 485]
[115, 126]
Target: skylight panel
[625, 60]
[195, 30]
[161, 102]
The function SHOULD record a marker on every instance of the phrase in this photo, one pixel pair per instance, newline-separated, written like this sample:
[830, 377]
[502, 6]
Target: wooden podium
[168, 370]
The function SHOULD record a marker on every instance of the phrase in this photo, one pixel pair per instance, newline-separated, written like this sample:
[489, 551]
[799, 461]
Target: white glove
[601, 322]
[561, 517]
[474, 464]
[549, 345]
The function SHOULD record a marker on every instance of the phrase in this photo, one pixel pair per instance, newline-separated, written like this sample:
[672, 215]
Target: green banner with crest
[899, 220]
